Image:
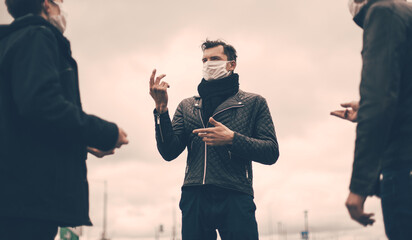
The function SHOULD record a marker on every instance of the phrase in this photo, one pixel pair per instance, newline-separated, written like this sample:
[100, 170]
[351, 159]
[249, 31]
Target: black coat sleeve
[384, 38]
[263, 146]
[39, 97]
[170, 136]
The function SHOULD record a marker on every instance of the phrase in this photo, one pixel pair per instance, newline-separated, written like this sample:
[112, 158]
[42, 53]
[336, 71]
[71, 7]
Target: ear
[231, 66]
[46, 7]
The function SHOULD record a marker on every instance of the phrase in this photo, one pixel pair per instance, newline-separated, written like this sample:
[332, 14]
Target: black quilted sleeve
[262, 146]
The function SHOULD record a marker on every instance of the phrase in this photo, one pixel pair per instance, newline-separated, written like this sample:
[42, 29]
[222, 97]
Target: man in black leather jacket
[384, 115]
[224, 130]
[44, 133]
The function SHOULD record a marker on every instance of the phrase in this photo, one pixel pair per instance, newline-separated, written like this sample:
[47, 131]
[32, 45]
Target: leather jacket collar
[232, 102]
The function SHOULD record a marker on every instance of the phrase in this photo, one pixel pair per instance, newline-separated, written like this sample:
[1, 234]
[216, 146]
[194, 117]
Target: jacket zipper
[205, 165]
[160, 127]
[201, 118]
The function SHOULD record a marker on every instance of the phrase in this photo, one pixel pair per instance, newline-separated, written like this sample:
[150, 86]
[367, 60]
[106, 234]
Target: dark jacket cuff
[364, 189]
[108, 137]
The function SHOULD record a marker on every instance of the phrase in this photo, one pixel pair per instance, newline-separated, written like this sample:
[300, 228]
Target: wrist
[232, 136]
[161, 108]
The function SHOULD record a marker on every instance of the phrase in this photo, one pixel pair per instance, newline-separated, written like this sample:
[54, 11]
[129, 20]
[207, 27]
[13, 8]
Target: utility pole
[306, 221]
[270, 223]
[284, 231]
[158, 230]
[174, 221]
[305, 233]
[280, 231]
[104, 212]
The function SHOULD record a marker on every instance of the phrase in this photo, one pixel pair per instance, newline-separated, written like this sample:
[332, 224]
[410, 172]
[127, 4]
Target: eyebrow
[212, 58]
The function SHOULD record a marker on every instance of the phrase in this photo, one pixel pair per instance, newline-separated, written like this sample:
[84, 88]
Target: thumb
[214, 122]
[346, 105]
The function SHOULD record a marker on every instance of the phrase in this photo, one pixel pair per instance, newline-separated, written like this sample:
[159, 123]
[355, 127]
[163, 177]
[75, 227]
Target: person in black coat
[224, 130]
[44, 133]
[383, 151]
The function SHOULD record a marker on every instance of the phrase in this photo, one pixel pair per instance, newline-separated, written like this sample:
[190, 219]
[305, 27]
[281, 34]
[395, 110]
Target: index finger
[91, 149]
[339, 113]
[159, 78]
[202, 130]
[152, 77]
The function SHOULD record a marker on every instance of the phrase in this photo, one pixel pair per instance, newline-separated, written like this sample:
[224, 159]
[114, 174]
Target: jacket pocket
[387, 186]
[68, 80]
[67, 74]
[231, 165]
[410, 181]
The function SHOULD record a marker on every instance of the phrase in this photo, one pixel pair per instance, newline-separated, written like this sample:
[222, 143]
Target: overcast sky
[302, 56]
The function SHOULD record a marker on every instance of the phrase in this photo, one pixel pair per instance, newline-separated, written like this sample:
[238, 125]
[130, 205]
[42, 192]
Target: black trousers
[206, 209]
[396, 196]
[23, 229]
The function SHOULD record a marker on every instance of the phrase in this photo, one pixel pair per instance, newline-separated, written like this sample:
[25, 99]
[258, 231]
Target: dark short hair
[20, 8]
[229, 50]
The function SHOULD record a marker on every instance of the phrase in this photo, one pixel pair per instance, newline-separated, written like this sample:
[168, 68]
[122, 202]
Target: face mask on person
[59, 21]
[214, 70]
[355, 7]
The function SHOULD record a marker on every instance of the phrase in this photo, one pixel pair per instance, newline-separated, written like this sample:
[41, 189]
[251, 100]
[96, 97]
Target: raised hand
[350, 113]
[219, 135]
[354, 204]
[158, 91]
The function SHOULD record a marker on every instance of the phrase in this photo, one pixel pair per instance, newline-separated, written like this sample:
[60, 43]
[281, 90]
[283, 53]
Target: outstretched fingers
[201, 131]
[152, 78]
[159, 78]
[339, 113]
[154, 81]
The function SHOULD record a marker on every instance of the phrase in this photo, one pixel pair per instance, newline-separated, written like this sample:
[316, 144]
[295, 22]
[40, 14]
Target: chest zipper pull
[160, 127]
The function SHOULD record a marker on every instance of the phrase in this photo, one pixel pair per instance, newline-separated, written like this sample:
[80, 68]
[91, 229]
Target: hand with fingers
[121, 140]
[350, 113]
[158, 91]
[99, 153]
[219, 135]
[354, 204]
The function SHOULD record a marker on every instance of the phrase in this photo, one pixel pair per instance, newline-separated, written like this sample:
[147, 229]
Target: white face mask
[59, 21]
[354, 7]
[214, 70]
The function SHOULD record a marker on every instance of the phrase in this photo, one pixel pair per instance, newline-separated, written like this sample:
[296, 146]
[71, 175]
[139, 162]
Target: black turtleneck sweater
[214, 93]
